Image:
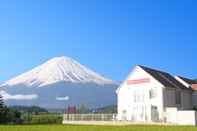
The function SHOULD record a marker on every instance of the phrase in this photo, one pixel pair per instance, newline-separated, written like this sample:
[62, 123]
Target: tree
[2, 111]
[8, 115]
[83, 109]
[1, 102]
[13, 116]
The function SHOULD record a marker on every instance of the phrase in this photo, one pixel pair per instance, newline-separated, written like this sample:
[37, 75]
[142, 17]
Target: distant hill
[33, 110]
[107, 109]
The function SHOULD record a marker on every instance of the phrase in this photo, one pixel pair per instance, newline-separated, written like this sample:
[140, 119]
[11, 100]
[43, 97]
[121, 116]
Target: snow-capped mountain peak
[59, 69]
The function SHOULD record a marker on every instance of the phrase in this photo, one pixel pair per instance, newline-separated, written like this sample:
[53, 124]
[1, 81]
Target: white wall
[173, 116]
[128, 108]
[186, 117]
[126, 92]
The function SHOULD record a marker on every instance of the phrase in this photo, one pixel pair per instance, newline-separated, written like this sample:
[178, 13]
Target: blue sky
[109, 36]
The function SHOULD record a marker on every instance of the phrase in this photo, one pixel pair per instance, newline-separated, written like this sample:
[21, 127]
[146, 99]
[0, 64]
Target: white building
[150, 95]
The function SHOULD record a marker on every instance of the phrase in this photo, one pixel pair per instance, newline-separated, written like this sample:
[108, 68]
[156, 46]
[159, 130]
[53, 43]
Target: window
[138, 96]
[152, 93]
[178, 97]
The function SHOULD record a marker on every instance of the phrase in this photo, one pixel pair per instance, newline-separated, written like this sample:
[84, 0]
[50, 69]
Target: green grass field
[95, 128]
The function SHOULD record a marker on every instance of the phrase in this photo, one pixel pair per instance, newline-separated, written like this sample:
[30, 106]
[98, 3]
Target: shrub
[46, 119]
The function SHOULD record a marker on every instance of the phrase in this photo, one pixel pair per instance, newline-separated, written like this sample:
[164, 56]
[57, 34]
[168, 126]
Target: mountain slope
[59, 82]
[58, 69]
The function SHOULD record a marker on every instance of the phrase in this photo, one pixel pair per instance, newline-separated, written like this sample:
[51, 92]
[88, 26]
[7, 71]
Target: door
[139, 113]
[154, 114]
[124, 115]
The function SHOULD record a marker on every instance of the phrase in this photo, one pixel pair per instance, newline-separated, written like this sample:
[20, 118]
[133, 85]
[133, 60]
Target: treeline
[37, 115]
[102, 110]
[43, 119]
[27, 115]
[9, 115]
[32, 110]
[82, 109]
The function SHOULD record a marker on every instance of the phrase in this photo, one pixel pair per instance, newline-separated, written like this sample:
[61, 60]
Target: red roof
[72, 110]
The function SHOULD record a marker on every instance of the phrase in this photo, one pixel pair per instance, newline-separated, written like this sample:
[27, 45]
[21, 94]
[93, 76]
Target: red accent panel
[194, 86]
[138, 81]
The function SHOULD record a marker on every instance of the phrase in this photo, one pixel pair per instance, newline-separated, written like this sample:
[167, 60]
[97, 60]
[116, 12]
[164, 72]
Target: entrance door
[139, 113]
[124, 115]
[154, 114]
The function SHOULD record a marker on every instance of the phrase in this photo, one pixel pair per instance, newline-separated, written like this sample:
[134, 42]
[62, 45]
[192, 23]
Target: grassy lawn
[95, 128]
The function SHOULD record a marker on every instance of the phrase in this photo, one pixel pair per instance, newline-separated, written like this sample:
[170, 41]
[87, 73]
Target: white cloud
[66, 98]
[7, 96]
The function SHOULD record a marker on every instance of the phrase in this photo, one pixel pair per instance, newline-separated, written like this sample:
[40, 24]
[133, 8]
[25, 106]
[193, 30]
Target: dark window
[152, 93]
[178, 97]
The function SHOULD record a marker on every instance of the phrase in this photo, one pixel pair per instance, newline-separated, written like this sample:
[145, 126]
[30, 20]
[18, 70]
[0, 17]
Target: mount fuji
[59, 82]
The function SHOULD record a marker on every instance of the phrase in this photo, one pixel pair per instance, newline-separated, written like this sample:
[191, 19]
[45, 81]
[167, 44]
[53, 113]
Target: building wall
[183, 117]
[129, 108]
[186, 100]
[186, 118]
[194, 99]
[136, 104]
[170, 98]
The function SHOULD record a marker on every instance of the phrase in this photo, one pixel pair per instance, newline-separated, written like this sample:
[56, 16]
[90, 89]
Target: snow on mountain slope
[58, 69]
